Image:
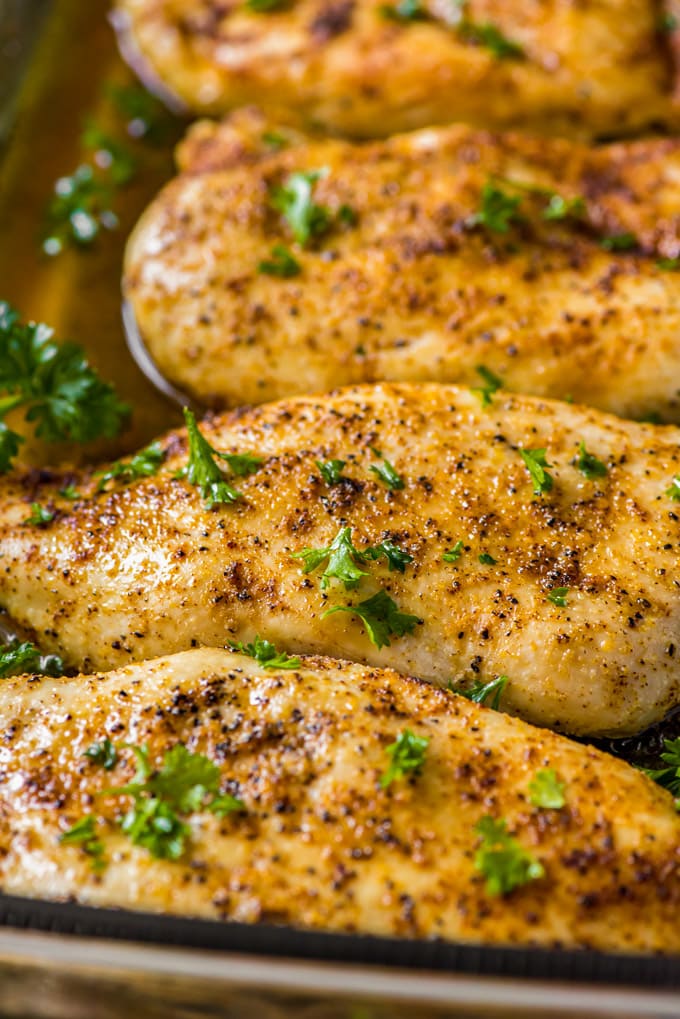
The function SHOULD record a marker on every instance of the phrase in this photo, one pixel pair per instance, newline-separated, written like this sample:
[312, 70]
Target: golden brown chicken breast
[457, 536]
[328, 795]
[436, 255]
[369, 68]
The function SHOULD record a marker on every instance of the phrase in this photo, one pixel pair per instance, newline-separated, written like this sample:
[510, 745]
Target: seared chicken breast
[368, 68]
[437, 254]
[310, 830]
[393, 525]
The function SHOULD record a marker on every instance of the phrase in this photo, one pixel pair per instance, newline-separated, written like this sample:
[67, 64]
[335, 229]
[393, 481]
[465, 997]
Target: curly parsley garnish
[142, 465]
[203, 472]
[63, 396]
[588, 463]
[19, 658]
[536, 464]
[266, 655]
[505, 864]
[546, 790]
[381, 616]
[406, 754]
[481, 692]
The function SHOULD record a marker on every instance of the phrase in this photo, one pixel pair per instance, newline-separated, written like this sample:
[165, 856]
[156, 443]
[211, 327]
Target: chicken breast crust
[319, 842]
[356, 67]
[405, 283]
[573, 594]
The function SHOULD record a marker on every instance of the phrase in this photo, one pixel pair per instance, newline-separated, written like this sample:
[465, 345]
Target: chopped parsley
[83, 834]
[559, 208]
[673, 490]
[546, 790]
[481, 692]
[505, 864]
[619, 242]
[397, 559]
[262, 6]
[69, 492]
[266, 655]
[454, 554]
[103, 753]
[486, 559]
[491, 38]
[295, 201]
[39, 516]
[381, 616]
[79, 209]
[19, 658]
[275, 140]
[281, 263]
[558, 596]
[331, 471]
[498, 210]
[142, 465]
[492, 383]
[203, 472]
[184, 784]
[668, 264]
[406, 754]
[386, 473]
[405, 10]
[343, 559]
[64, 398]
[110, 154]
[536, 464]
[589, 464]
[669, 776]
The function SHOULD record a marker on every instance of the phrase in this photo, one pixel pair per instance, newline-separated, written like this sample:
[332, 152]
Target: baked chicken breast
[296, 819]
[368, 68]
[403, 526]
[429, 256]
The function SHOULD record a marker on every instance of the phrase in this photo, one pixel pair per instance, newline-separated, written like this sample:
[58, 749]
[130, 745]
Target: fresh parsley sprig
[203, 472]
[104, 753]
[381, 617]
[83, 834]
[266, 655]
[481, 692]
[62, 395]
[505, 864]
[344, 559]
[588, 463]
[386, 473]
[406, 754]
[397, 558]
[21, 657]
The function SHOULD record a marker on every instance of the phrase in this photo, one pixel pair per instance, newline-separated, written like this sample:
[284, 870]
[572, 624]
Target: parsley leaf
[261, 6]
[619, 242]
[103, 753]
[266, 655]
[147, 117]
[386, 472]
[498, 211]
[331, 470]
[558, 596]
[559, 208]
[486, 559]
[69, 492]
[39, 516]
[226, 804]
[673, 490]
[83, 834]
[454, 554]
[397, 559]
[110, 154]
[536, 464]
[381, 616]
[342, 558]
[488, 35]
[54, 382]
[668, 777]
[155, 826]
[202, 471]
[78, 210]
[480, 692]
[281, 263]
[492, 383]
[407, 753]
[505, 864]
[405, 10]
[294, 200]
[546, 790]
[589, 464]
[17, 658]
[142, 465]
